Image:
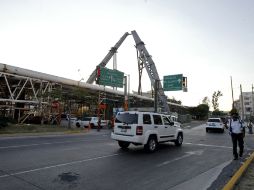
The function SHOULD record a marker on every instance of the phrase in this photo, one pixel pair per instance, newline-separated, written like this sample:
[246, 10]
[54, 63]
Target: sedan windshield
[127, 118]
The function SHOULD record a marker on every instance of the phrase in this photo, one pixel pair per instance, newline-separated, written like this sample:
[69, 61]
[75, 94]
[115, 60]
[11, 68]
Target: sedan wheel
[179, 140]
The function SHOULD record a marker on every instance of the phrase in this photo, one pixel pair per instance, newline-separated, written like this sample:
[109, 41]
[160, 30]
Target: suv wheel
[151, 145]
[77, 125]
[179, 139]
[123, 144]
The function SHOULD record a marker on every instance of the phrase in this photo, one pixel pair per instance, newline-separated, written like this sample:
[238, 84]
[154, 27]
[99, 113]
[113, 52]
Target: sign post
[173, 82]
[109, 77]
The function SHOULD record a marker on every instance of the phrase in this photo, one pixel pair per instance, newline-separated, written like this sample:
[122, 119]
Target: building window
[246, 98]
[246, 103]
[248, 109]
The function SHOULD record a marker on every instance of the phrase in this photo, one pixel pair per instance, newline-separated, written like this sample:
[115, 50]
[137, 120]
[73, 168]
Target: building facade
[246, 105]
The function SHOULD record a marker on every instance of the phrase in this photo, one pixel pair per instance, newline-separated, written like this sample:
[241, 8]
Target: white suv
[145, 128]
[215, 124]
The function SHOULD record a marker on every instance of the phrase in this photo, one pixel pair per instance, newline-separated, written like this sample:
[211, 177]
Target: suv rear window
[128, 118]
[214, 120]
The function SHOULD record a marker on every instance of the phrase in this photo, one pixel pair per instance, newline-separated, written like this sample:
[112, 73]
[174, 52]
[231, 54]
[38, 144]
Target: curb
[232, 182]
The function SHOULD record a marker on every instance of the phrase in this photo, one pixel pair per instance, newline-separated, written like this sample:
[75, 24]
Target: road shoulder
[232, 173]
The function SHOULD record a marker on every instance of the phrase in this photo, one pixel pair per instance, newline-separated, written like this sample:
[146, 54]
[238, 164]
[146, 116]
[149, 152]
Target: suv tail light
[139, 130]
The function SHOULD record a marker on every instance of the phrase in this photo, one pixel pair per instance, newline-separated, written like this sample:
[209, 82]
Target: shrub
[4, 122]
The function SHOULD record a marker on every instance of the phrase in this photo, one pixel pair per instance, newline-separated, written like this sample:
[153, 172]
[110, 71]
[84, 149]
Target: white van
[145, 128]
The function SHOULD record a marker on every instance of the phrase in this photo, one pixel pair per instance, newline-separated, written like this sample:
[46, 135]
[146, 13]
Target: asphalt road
[94, 161]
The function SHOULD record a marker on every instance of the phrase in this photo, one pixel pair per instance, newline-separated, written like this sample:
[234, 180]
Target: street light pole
[232, 93]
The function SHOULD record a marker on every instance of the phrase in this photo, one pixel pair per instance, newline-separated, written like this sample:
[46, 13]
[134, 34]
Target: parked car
[92, 121]
[215, 124]
[174, 119]
[145, 128]
[66, 119]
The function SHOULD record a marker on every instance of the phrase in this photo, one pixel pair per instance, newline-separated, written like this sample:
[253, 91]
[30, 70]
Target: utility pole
[242, 102]
[125, 94]
[232, 93]
[252, 99]
[156, 95]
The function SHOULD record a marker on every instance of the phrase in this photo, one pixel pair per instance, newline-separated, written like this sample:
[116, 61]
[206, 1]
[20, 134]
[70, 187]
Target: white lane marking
[111, 144]
[170, 161]
[208, 145]
[38, 144]
[59, 165]
[196, 152]
[69, 149]
[190, 153]
[28, 145]
[216, 146]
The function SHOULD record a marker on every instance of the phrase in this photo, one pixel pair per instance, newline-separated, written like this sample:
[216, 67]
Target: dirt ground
[247, 180]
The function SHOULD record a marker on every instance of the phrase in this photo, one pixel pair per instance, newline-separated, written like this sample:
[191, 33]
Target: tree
[233, 111]
[206, 101]
[173, 100]
[218, 113]
[200, 112]
[215, 100]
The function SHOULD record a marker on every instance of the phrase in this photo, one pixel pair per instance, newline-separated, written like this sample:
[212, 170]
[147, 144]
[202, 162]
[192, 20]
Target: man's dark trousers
[237, 138]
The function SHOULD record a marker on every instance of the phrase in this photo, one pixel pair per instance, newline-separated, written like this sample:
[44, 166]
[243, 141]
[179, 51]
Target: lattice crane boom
[106, 59]
[147, 60]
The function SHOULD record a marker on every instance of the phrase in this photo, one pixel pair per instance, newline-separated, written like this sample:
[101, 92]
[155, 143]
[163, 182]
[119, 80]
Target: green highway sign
[173, 82]
[109, 77]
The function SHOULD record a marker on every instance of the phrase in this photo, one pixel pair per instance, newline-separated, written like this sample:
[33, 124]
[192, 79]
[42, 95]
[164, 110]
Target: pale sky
[205, 40]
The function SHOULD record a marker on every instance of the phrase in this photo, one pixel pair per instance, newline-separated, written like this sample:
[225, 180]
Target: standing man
[250, 127]
[99, 124]
[237, 132]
